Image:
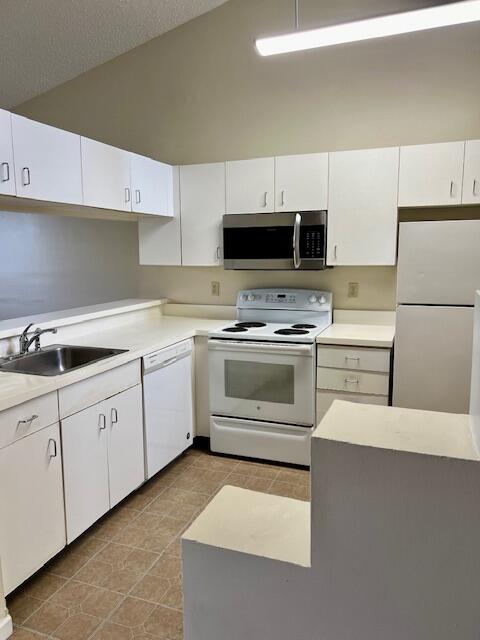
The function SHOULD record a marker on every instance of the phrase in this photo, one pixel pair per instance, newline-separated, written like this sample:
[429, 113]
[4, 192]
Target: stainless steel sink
[56, 359]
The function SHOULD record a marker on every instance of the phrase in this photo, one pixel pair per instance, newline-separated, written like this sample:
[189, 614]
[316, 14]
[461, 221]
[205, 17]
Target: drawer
[325, 399]
[84, 394]
[352, 381]
[27, 418]
[365, 359]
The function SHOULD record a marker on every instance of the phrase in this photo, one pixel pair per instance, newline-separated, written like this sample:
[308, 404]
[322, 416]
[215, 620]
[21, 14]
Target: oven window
[259, 381]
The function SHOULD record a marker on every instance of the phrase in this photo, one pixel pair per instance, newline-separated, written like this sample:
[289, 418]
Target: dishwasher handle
[153, 364]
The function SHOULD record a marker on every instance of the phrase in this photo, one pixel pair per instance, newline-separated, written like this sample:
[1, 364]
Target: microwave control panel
[312, 244]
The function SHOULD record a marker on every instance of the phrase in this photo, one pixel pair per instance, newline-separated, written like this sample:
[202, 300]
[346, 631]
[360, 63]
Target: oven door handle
[262, 347]
[297, 261]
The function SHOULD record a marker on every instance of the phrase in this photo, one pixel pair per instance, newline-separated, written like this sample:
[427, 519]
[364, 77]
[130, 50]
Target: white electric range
[262, 374]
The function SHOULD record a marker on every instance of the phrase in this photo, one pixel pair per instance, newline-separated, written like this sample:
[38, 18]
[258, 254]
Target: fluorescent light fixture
[381, 27]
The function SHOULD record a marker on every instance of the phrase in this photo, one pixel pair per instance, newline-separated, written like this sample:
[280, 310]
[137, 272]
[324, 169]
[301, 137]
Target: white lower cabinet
[352, 374]
[103, 458]
[32, 527]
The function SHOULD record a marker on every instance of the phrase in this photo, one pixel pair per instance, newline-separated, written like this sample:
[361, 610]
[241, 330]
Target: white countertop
[360, 335]
[140, 340]
[256, 523]
[410, 430]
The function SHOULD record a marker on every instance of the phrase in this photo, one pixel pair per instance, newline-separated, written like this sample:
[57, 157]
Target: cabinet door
[32, 527]
[301, 182]
[362, 211]
[250, 185]
[202, 191]
[431, 175]
[159, 240]
[106, 176]
[7, 170]
[125, 443]
[471, 173]
[47, 162]
[85, 463]
[152, 186]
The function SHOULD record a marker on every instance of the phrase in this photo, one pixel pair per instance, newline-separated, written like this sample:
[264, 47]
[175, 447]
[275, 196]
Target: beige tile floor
[122, 579]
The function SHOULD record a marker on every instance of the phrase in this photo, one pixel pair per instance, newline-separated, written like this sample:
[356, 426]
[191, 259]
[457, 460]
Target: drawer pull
[27, 421]
[114, 416]
[102, 421]
[355, 358]
[54, 443]
[352, 381]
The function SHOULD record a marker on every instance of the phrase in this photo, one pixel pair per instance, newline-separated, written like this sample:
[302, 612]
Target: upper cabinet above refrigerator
[7, 170]
[431, 175]
[471, 173]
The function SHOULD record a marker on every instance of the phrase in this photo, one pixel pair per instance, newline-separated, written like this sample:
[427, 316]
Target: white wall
[49, 263]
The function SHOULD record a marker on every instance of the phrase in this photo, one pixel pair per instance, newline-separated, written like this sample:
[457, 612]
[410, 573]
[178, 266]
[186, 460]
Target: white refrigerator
[438, 275]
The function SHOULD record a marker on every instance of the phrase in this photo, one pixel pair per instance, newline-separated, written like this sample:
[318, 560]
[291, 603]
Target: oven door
[262, 381]
[275, 241]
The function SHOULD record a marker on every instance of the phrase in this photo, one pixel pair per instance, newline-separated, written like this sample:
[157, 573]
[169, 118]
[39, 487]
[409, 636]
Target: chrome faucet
[26, 342]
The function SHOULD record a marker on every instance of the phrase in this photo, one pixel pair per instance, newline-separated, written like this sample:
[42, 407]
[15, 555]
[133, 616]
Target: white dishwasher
[168, 404]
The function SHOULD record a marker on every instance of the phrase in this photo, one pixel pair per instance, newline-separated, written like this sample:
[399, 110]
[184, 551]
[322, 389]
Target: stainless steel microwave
[275, 240]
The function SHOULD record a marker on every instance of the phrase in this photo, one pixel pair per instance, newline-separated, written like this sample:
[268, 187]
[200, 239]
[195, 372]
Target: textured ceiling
[44, 43]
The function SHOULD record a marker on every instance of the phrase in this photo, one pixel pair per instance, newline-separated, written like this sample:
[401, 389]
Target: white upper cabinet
[301, 182]
[471, 173]
[431, 174]
[250, 185]
[152, 186]
[362, 211]
[7, 169]
[47, 162]
[159, 239]
[202, 196]
[106, 176]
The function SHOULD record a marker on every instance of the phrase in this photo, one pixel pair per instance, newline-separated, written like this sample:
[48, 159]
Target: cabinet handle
[265, 199]
[5, 172]
[475, 189]
[54, 442]
[25, 176]
[452, 189]
[335, 252]
[102, 421]
[218, 254]
[188, 436]
[283, 198]
[127, 194]
[351, 380]
[356, 358]
[138, 196]
[114, 416]
[27, 421]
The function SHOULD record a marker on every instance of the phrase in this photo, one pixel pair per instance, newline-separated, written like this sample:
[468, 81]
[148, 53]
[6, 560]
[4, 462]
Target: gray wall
[50, 262]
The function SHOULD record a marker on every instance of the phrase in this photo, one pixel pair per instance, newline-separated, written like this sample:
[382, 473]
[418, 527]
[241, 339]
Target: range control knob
[251, 297]
[312, 299]
[322, 299]
[244, 297]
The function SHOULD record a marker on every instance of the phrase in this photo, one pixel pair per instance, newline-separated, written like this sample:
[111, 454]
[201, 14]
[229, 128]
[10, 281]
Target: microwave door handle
[296, 241]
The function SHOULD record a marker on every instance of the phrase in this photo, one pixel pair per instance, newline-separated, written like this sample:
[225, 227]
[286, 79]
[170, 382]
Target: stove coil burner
[303, 326]
[234, 329]
[251, 325]
[291, 332]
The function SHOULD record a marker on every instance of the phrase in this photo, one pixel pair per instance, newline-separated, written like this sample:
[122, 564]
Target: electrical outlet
[352, 290]
[215, 288]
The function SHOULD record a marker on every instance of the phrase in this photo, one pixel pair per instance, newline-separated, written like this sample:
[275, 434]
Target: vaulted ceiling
[44, 43]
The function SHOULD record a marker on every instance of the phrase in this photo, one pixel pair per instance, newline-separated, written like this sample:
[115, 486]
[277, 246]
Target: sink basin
[57, 359]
